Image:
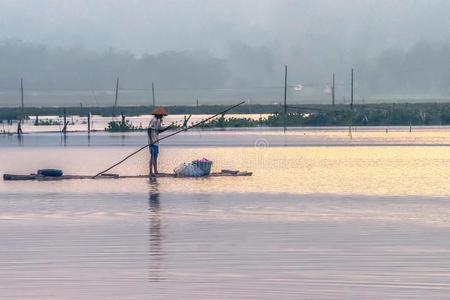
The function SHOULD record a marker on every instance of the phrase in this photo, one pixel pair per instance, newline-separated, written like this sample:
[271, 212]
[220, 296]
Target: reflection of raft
[223, 173]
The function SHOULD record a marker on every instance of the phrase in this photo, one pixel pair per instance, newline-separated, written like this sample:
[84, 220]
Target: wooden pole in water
[123, 118]
[116, 99]
[285, 96]
[21, 98]
[22, 109]
[89, 122]
[351, 92]
[351, 106]
[333, 92]
[19, 128]
[64, 130]
[153, 94]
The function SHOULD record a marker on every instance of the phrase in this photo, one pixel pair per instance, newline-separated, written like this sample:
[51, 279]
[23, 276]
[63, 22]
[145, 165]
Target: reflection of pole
[153, 95]
[285, 103]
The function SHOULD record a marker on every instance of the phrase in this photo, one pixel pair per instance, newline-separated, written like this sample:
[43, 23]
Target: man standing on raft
[154, 128]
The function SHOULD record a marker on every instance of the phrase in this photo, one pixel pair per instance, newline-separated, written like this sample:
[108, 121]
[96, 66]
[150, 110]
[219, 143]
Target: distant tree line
[301, 115]
[419, 70]
[15, 113]
[402, 114]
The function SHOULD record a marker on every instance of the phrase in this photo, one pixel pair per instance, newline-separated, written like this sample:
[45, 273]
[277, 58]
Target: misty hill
[63, 76]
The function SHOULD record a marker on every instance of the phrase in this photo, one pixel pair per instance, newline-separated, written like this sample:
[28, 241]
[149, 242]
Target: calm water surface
[314, 222]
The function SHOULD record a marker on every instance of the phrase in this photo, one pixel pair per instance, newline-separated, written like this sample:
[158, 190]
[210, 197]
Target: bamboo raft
[13, 177]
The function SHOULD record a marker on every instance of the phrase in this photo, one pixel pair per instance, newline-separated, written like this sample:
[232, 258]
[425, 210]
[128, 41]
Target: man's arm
[167, 128]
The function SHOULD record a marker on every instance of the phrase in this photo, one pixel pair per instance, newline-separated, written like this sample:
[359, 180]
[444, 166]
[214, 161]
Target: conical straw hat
[159, 111]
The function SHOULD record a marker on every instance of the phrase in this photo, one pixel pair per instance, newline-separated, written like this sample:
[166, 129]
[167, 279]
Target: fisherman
[154, 128]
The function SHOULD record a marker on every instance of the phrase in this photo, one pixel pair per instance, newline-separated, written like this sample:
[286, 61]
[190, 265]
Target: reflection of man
[153, 202]
[155, 237]
[154, 128]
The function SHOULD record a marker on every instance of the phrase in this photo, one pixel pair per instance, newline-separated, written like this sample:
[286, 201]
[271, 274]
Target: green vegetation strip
[300, 115]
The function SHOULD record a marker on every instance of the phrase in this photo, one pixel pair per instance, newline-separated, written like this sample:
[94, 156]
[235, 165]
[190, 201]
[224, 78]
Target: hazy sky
[289, 26]
[398, 47]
